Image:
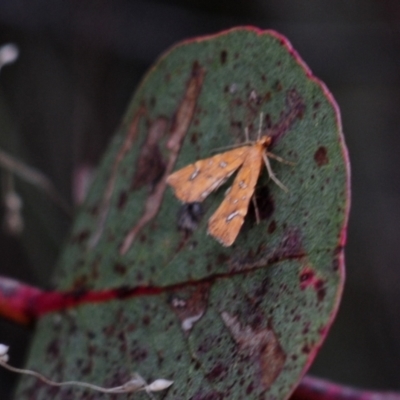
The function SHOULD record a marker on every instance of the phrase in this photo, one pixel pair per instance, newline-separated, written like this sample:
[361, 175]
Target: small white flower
[3, 349]
[8, 54]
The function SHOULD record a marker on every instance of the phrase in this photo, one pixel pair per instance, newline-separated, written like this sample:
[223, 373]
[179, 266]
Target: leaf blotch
[53, 349]
[262, 289]
[190, 304]
[250, 388]
[222, 259]
[261, 345]
[138, 354]
[150, 165]
[308, 278]
[194, 138]
[217, 373]
[272, 227]
[321, 290]
[321, 156]
[78, 287]
[80, 237]
[123, 197]
[120, 269]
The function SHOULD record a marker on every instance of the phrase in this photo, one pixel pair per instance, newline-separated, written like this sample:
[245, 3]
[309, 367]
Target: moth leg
[272, 175]
[256, 210]
[280, 159]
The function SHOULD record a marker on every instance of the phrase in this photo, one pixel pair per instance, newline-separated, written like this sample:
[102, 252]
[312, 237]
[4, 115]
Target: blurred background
[79, 64]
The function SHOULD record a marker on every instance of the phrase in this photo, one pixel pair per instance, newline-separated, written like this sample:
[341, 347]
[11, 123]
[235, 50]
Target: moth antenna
[233, 146]
[246, 134]
[260, 125]
[272, 175]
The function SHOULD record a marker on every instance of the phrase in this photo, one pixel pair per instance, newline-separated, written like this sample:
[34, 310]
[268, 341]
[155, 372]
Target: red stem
[311, 388]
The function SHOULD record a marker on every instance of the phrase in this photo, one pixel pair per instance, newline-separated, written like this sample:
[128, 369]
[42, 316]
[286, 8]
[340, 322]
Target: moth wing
[224, 225]
[196, 181]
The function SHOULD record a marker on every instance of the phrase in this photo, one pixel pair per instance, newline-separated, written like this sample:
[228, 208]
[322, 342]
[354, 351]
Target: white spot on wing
[231, 216]
[194, 175]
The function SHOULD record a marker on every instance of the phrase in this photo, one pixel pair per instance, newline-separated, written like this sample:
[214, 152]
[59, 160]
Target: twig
[135, 384]
[34, 177]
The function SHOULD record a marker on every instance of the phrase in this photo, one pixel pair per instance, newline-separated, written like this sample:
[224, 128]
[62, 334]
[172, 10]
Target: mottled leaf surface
[242, 322]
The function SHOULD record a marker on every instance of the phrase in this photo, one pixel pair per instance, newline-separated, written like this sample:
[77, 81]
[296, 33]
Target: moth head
[265, 141]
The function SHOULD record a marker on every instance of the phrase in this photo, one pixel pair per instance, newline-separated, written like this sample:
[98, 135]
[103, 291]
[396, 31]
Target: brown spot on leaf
[80, 237]
[316, 105]
[150, 164]
[262, 345]
[321, 156]
[194, 138]
[217, 373]
[308, 278]
[321, 290]
[120, 269]
[261, 290]
[190, 304]
[80, 283]
[138, 354]
[306, 349]
[222, 259]
[278, 86]
[123, 197]
[53, 349]
[223, 56]
[272, 227]
[267, 97]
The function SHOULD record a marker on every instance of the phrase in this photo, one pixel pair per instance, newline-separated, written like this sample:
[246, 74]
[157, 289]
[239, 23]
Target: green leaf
[222, 322]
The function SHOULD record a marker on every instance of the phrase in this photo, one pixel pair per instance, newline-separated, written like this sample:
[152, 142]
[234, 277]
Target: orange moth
[195, 182]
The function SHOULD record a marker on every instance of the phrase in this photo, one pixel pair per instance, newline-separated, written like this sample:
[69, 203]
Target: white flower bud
[159, 384]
